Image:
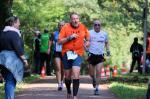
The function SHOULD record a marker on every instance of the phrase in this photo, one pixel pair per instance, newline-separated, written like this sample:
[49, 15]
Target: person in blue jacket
[12, 59]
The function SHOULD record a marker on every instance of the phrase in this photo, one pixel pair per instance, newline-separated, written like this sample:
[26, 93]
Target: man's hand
[87, 44]
[71, 37]
[25, 62]
[107, 53]
[48, 52]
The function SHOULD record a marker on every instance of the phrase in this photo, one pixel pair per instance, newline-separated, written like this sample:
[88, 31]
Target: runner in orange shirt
[72, 37]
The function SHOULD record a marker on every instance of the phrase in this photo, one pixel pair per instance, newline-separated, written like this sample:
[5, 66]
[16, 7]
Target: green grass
[27, 80]
[30, 78]
[1, 91]
[126, 91]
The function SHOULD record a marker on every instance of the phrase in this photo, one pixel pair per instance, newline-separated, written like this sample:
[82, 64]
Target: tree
[5, 11]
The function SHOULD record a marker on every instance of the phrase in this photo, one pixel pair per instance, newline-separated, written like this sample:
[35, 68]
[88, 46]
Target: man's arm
[87, 42]
[49, 44]
[131, 48]
[107, 48]
[107, 45]
[87, 38]
[68, 38]
[62, 39]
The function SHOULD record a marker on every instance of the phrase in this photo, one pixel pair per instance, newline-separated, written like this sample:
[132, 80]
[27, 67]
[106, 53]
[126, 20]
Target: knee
[58, 69]
[91, 73]
[67, 75]
[76, 75]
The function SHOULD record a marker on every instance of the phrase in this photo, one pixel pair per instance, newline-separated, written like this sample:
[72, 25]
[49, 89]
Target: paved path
[47, 89]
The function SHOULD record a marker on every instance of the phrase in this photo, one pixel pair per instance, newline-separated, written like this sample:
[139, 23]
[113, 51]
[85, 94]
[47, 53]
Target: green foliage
[125, 91]
[31, 78]
[41, 14]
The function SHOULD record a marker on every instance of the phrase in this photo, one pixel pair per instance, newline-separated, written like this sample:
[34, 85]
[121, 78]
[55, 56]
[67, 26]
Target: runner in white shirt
[98, 43]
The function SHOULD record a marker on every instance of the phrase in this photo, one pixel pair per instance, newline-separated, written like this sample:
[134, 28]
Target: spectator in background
[98, 43]
[37, 52]
[72, 37]
[137, 50]
[45, 46]
[12, 56]
[58, 57]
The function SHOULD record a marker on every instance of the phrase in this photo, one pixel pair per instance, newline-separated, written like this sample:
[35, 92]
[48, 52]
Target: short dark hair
[74, 13]
[46, 30]
[135, 39]
[11, 20]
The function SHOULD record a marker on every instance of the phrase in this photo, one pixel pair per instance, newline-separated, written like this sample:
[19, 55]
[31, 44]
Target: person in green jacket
[45, 46]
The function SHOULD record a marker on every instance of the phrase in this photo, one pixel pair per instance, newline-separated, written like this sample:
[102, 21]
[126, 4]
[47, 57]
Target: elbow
[60, 42]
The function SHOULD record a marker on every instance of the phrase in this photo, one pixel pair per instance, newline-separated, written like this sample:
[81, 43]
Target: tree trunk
[5, 11]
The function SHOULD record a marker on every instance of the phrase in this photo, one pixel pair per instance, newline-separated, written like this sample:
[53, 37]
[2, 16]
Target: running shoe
[96, 91]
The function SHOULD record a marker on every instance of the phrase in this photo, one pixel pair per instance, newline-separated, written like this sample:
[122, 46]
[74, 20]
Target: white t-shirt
[97, 42]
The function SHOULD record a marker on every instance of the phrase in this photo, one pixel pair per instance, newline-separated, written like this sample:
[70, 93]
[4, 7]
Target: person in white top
[98, 43]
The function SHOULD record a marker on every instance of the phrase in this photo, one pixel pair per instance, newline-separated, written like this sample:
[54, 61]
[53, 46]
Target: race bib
[58, 47]
[71, 55]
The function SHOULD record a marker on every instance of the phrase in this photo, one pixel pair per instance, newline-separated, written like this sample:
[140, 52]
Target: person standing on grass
[72, 37]
[98, 43]
[12, 58]
[58, 57]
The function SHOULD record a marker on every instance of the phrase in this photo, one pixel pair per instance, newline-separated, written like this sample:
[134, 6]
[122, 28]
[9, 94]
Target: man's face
[60, 25]
[75, 20]
[97, 26]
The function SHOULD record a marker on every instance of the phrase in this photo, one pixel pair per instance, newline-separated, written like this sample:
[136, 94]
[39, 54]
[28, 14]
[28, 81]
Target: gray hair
[11, 20]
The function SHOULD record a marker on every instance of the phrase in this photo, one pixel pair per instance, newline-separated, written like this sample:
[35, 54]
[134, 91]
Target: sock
[93, 81]
[75, 86]
[62, 84]
[68, 85]
[59, 85]
[96, 87]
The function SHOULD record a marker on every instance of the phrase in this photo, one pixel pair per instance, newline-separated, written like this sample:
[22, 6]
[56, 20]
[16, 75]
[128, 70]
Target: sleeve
[131, 48]
[62, 33]
[37, 42]
[141, 47]
[106, 37]
[17, 44]
[87, 34]
[0, 40]
[50, 37]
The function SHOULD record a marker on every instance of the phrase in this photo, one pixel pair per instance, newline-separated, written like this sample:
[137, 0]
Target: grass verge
[126, 91]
